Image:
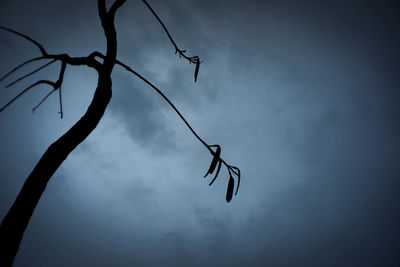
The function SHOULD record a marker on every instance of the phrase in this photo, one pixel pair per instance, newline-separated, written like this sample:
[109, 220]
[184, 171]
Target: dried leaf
[229, 192]
[216, 174]
[215, 160]
[237, 188]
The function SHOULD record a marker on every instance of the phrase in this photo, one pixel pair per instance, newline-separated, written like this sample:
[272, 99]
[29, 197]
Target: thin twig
[20, 66]
[59, 84]
[60, 98]
[162, 24]
[64, 58]
[29, 74]
[194, 59]
[44, 98]
[26, 90]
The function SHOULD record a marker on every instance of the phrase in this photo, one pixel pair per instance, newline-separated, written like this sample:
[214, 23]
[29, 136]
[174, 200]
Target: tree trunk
[16, 221]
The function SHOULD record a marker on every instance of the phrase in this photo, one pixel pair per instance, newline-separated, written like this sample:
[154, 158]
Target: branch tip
[194, 59]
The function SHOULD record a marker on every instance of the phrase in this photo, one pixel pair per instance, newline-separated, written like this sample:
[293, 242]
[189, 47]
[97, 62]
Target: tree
[15, 222]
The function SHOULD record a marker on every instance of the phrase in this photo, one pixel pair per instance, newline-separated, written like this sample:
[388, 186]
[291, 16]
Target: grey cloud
[182, 256]
[214, 227]
[135, 105]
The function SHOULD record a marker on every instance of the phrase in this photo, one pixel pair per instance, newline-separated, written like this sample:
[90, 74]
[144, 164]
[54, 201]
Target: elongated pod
[196, 71]
[229, 192]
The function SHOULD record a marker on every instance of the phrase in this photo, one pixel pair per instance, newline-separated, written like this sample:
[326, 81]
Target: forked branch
[63, 58]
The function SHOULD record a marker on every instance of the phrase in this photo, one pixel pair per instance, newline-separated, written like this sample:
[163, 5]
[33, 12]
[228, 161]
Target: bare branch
[165, 29]
[26, 90]
[65, 59]
[166, 99]
[42, 50]
[194, 59]
[20, 66]
[89, 61]
[56, 85]
[29, 74]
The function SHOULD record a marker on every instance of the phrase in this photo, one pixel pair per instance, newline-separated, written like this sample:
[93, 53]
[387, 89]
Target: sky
[302, 96]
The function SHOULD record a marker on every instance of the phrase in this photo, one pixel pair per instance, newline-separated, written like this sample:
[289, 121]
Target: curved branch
[117, 4]
[165, 98]
[41, 48]
[230, 168]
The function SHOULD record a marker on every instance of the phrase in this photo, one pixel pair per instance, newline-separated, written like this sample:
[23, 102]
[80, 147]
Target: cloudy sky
[303, 96]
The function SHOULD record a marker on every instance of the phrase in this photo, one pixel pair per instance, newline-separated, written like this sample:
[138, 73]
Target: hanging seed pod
[229, 192]
[196, 71]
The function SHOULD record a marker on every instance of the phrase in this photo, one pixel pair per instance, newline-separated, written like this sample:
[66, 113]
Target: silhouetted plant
[16, 220]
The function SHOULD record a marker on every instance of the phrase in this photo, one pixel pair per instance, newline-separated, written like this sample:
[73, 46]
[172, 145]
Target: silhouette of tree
[15, 222]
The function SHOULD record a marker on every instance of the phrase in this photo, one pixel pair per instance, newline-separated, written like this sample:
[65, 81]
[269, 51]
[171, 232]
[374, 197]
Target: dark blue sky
[303, 96]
